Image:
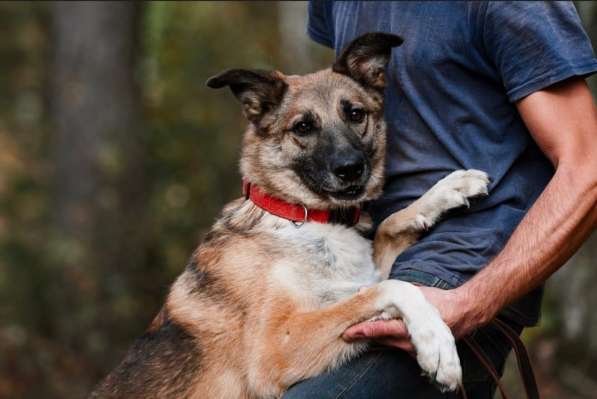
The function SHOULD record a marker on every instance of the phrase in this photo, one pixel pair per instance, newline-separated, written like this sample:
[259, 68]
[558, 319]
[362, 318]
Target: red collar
[299, 213]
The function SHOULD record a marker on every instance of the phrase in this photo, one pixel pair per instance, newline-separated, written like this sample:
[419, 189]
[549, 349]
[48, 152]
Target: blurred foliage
[190, 144]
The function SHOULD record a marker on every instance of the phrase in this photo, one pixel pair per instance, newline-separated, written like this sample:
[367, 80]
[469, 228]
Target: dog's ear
[258, 91]
[366, 57]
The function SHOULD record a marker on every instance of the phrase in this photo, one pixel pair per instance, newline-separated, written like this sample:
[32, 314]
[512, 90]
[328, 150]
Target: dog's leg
[298, 345]
[402, 229]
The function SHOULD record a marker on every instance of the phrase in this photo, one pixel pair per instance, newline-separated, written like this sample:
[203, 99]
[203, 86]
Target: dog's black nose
[349, 169]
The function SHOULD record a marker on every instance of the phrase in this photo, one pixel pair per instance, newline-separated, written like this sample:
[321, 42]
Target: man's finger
[378, 328]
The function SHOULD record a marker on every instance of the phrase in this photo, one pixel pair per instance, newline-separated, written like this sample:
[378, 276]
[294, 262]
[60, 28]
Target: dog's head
[317, 139]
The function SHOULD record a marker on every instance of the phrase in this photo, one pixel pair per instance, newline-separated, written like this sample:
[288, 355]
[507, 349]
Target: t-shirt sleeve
[320, 27]
[536, 44]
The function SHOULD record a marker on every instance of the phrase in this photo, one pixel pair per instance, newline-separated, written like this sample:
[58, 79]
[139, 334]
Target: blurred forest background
[115, 158]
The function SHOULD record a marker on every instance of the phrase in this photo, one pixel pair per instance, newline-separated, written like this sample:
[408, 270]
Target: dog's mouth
[350, 193]
[323, 185]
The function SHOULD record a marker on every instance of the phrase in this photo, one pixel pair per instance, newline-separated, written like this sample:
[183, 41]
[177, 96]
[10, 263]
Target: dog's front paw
[436, 351]
[451, 192]
[431, 337]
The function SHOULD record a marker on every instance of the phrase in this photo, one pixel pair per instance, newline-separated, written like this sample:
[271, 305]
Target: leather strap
[525, 367]
[296, 213]
[482, 357]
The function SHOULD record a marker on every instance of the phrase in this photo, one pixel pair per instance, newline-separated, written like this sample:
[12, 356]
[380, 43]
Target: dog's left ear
[366, 57]
[258, 91]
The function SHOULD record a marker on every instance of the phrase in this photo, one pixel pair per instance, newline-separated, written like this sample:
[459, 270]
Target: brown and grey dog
[264, 302]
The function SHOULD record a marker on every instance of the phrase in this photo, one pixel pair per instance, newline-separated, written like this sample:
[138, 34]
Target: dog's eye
[303, 127]
[356, 115]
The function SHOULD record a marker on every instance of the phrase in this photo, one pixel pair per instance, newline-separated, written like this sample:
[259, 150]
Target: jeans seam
[358, 377]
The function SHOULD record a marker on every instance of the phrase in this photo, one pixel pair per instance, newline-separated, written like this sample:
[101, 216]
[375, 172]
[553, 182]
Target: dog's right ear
[258, 91]
[365, 59]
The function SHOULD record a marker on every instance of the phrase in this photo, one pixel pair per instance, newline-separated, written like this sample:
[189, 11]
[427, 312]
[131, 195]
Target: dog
[284, 272]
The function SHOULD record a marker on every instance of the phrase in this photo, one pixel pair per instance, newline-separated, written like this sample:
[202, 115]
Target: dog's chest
[333, 261]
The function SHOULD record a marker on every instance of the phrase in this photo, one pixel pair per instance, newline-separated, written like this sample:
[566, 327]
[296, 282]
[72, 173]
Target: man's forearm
[556, 225]
[563, 121]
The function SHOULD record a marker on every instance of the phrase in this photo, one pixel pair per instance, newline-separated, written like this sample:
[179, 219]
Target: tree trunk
[98, 183]
[294, 42]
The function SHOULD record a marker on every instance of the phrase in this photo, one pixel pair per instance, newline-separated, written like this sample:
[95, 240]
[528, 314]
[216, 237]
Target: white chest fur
[335, 261]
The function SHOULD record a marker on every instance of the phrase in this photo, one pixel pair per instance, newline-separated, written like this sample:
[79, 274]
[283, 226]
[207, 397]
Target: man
[492, 86]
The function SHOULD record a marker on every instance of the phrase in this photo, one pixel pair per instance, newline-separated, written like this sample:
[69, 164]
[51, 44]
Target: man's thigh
[386, 373]
[377, 374]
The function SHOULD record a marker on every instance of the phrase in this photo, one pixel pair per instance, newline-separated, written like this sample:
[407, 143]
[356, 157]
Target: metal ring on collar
[306, 215]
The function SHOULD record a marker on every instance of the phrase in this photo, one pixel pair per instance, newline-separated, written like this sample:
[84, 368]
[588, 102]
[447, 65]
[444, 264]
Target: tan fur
[262, 347]
[394, 235]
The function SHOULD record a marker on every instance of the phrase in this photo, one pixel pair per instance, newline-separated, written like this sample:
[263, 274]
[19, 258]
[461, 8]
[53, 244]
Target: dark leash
[525, 367]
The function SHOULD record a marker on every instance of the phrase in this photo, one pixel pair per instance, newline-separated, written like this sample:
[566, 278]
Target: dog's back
[142, 374]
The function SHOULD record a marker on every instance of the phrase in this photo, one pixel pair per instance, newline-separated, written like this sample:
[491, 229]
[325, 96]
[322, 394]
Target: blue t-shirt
[450, 96]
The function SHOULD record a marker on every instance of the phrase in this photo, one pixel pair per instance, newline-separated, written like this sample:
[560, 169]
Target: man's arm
[563, 121]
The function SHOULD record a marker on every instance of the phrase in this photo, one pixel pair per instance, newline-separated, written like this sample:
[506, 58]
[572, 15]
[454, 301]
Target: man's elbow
[589, 171]
[580, 167]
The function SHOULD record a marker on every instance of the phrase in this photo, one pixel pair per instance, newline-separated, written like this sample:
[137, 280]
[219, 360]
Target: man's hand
[457, 309]
[386, 332]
